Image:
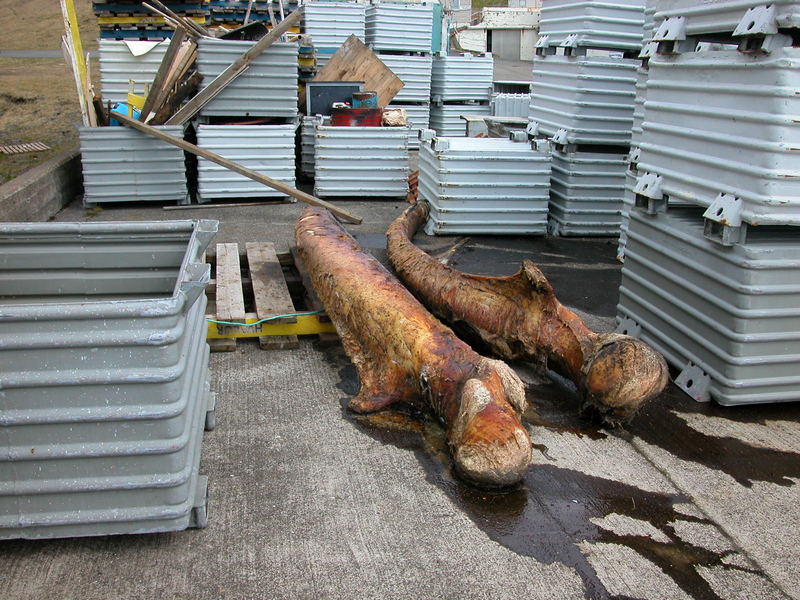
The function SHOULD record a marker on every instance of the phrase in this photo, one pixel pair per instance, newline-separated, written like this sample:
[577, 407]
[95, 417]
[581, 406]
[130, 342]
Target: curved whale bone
[520, 318]
[404, 354]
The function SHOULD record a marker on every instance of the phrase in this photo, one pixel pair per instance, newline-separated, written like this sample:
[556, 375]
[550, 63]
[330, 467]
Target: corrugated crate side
[268, 88]
[491, 186]
[361, 161]
[586, 192]
[415, 72]
[330, 23]
[617, 25]
[724, 122]
[446, 119]
[511, 105]
[266, 149]
[400, 26]
[670, 297]
[117, 437]
[123, 165]
[723, 16]
[462, 77]
[591, 98]
[118, 67]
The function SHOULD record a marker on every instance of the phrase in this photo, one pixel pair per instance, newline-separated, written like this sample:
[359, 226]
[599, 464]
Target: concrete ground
[309, 501]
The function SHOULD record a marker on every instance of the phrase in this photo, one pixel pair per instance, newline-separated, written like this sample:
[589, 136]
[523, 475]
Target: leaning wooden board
[355, 62]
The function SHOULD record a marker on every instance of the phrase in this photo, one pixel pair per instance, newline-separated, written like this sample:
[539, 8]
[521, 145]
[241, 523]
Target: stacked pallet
[401, 33]
[129, 20]
[583, 95]
[234, 13]
[461, 84]
[711, 260]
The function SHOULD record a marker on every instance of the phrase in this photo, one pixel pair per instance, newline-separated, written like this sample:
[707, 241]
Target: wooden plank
[191, 108]
[355, 62]
[164, 69]
[229, 297]
[271, 293]
[237, 168]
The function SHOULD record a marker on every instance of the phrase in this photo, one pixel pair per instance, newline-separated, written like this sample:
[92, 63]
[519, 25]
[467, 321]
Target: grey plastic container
[727, 317]
[483, 185]
[266, 149]
[589, 98]
[104, 371]
[124, 165]
[586, 193]
[268, 88]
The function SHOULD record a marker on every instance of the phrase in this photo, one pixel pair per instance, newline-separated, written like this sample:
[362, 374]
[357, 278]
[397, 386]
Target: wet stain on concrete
[552, 511]
[660, 425]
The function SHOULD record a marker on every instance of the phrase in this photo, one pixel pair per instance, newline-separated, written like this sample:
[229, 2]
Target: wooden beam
[229, 297]
[163, 70]
[270, 292]
[238, 66]
[237, 168]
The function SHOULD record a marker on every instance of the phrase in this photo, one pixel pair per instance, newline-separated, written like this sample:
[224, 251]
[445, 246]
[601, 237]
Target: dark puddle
[660, 425]
[551, 511]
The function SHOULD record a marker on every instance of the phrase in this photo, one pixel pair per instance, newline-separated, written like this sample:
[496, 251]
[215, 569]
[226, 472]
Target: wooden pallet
[258, 284]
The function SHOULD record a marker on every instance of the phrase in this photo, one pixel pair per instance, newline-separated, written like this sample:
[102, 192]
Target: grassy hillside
[38, 101]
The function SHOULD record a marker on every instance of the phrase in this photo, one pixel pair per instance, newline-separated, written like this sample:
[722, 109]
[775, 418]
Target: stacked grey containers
[583, 96]
[120, 164]
[713, 250]
[484, 185]
[401, 33]
[363, 162]
[267, 89]
[461, 84]
[330, 23]
[105, 377]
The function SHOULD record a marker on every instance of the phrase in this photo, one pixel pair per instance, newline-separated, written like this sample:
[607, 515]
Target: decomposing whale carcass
[519, 317]
[404, 354]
